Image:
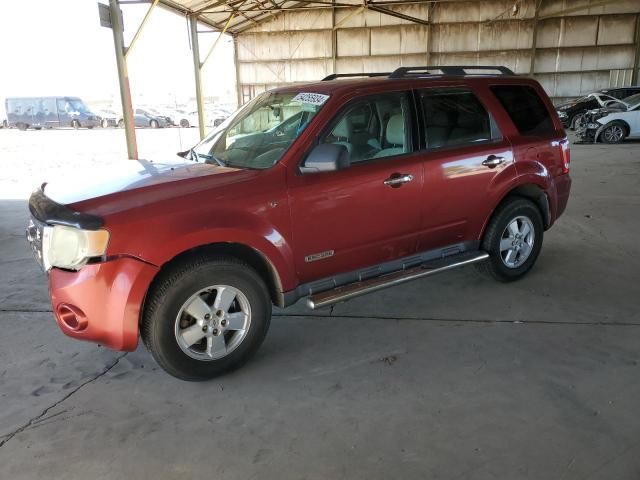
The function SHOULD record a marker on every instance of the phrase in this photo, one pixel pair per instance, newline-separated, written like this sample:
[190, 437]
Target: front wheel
[153, 124]
[513, 240]
[613, 133]
[75, 124]
[205, 317]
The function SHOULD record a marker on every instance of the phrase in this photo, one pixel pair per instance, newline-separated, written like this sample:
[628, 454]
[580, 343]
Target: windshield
[77, 105]
[261, 132]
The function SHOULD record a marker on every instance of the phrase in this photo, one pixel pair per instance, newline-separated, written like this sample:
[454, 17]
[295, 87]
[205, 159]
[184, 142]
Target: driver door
[365, 214]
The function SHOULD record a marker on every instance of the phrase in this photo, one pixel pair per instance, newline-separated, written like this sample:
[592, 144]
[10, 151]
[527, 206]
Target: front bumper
[102, 302]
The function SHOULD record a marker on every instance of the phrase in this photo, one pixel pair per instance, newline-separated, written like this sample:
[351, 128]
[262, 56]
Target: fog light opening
[72, 317]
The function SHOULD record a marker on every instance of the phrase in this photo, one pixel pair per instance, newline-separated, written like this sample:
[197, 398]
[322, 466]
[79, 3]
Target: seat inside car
[394, 137]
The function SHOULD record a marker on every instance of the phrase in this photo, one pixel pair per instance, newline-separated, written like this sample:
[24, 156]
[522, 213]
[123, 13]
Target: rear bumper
[563, 189]
[101, 302]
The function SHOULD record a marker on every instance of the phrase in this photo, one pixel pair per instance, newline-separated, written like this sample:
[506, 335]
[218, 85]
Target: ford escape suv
[322, 191]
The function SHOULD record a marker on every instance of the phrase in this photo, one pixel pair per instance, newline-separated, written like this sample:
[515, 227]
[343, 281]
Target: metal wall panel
[576, 50]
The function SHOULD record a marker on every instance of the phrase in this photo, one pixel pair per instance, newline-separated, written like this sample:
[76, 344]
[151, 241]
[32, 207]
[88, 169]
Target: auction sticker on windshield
[310, 98]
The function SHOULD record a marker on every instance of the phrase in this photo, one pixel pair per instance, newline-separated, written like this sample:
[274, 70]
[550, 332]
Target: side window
[374, 127]
[63, 106]
[454, 117]
[526, 109]
[49, 105]
[14, 107]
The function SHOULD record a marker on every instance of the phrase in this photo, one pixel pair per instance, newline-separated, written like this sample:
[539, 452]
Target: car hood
[122, 175]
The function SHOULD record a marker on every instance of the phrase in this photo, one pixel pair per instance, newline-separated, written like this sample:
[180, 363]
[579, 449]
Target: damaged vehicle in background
[612, 123]
[571, 113]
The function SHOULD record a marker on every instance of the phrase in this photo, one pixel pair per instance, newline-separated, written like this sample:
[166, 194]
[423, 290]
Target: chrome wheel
[614, 134]
[517, 241]
[213, 322]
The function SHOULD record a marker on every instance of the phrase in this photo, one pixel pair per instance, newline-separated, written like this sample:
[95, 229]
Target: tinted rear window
[526, 109]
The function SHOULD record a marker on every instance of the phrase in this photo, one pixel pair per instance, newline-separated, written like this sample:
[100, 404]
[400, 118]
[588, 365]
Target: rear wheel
[121, 123]
[22, 126]
[613, 133]
[205, 317]
[184, 123]
[513, 240]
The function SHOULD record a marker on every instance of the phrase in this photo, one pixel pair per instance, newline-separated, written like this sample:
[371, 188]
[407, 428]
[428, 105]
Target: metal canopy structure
[567, 45]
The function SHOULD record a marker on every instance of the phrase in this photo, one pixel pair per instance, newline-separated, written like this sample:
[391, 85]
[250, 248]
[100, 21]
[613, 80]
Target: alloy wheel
[213, 322]
[516, 242]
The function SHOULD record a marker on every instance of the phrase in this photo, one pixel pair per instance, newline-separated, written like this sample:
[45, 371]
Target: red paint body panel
[286, 216]
[109, 294]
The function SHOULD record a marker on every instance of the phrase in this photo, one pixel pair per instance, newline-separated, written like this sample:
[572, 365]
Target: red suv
[322, 191]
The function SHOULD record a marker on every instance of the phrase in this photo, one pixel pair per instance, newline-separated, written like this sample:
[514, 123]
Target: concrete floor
[449, 377]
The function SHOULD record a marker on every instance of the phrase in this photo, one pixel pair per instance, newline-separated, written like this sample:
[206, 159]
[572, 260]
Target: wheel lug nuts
[204, 329]
[219, 313]
[207, 316]
[223, 323]
[215, 331]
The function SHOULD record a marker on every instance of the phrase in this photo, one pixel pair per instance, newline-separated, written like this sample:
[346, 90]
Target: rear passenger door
[465, 155]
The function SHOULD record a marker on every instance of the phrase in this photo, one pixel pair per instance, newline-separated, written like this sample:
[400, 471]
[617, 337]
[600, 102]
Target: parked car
[213, 118]
[144, 118]
[49, 112]
[323, 191]
[108, 118]
[571, 112]
[161, 114]
[621, 92]
[614, 123]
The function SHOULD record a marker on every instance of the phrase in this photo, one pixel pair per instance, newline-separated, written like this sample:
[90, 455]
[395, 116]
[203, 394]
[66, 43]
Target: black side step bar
[347, 292]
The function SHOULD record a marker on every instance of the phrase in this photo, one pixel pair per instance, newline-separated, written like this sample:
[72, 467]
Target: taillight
[566, 155]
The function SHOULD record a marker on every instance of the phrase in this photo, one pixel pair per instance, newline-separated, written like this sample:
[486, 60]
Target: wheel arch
[254, 258]
[530, 191]
[616, 121]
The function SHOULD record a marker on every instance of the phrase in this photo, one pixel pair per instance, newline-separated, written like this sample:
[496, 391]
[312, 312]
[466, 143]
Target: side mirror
[326, 157]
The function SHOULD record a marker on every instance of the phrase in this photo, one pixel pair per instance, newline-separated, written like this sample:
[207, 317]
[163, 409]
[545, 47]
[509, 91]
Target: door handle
[493, 161]
[398, 179]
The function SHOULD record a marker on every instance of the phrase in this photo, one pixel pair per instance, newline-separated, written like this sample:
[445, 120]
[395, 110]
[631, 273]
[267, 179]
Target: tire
[153, 124]
[578, 122]
[90, 127]
[502, 265]
[184, 123]
[182, 287]
[75, 124]
[5, 124]
[104, 123]
[22, 126]
[121, 123]
[613, 133]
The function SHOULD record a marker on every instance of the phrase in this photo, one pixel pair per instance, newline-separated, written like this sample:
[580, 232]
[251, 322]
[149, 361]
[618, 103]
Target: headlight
[68, 247]
[562, 114]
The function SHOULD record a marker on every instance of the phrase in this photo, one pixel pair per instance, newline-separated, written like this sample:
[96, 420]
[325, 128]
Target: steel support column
[635, 74]
[236, 66]
[197, 71]
[123, 79]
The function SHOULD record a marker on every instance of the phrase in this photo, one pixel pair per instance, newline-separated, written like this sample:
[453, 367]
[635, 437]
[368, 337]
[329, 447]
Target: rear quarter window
[526, 109]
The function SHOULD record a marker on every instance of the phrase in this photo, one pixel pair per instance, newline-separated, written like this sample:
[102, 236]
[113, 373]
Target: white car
[213, 118]
[613, 123]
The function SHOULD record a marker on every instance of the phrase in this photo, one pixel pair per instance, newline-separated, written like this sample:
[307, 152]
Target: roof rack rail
[403, 72]
[333, 76]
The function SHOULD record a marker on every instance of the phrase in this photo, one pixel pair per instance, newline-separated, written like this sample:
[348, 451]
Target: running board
[347, 292]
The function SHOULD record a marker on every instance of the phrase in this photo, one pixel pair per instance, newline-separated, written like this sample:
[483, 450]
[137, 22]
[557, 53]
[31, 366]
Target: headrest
[395, 130]
[343, 128]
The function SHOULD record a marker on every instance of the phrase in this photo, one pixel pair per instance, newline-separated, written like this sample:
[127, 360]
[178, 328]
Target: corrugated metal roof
[240, 15]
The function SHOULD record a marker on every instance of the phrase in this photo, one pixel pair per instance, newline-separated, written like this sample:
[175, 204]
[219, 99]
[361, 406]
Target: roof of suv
[338, 83]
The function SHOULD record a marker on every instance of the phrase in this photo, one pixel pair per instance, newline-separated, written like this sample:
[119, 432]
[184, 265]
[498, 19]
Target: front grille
[35, 232]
